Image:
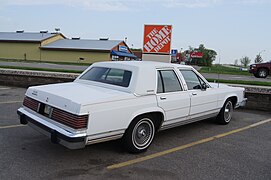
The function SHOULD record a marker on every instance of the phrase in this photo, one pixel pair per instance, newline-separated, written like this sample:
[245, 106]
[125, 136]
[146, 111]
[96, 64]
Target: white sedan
[128, 100]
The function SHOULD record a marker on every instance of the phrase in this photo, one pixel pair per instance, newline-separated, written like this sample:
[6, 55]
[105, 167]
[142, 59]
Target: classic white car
[128, 100]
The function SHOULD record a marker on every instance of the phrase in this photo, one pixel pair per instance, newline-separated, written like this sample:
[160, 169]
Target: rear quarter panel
[117, 115]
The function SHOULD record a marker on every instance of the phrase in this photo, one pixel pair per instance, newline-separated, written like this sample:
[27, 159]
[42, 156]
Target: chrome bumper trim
[71, 140]
[242, 103]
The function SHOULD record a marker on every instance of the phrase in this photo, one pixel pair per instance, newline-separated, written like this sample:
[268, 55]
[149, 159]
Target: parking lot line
[12, 126]
[10, 102]
[162, 153]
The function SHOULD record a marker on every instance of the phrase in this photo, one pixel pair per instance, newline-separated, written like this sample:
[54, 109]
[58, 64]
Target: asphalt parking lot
[202, 150]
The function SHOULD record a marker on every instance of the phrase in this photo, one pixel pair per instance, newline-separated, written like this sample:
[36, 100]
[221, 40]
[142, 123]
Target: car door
[203, 98]
[171, 98]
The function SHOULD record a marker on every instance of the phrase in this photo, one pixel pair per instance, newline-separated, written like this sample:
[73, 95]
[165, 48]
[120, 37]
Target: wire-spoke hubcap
[143, 133]
[228, 111]
[262, 73]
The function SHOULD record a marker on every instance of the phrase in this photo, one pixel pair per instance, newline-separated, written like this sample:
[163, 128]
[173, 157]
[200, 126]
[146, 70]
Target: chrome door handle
[163, 98]
[194, 94]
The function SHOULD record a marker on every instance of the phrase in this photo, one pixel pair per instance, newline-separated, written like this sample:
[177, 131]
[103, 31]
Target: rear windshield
[113, 76]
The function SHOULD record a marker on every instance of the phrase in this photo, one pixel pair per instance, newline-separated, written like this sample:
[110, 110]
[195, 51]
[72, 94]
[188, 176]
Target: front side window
[167, 81]
[112, 76]
[192, 80]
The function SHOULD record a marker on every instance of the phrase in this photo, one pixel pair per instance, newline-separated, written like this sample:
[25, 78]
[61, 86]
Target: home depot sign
[157, 39]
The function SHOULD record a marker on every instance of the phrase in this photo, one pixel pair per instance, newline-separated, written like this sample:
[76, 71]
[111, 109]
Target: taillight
[31, 103]
[71, 120]
[63, 117]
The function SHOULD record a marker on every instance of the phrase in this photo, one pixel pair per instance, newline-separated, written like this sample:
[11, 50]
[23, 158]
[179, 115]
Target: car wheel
[225, 114]
[262, 73]
[139, 134]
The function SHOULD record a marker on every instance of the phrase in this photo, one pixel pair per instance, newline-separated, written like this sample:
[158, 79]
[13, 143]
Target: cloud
[209, 3]
[253, 2]
[97, 5]
[129, 5]
[190, 3]
[105, 5]
[113, 5]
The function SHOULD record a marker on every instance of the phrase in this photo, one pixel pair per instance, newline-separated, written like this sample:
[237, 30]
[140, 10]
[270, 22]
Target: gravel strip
[39, 73]
[254, 89]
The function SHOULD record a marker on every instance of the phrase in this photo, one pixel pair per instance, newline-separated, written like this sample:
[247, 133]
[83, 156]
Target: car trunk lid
[71, 96]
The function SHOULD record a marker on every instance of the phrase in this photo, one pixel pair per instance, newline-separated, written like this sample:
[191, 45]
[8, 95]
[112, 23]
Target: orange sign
[157, 39]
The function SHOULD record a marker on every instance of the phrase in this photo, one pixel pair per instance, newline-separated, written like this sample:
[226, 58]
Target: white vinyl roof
[143, 79]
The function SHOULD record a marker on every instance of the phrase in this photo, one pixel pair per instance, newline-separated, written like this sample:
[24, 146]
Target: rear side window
[112, 76]
[167, 81]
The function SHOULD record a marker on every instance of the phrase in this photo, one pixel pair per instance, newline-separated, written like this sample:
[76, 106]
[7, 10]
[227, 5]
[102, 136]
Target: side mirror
[204, 87]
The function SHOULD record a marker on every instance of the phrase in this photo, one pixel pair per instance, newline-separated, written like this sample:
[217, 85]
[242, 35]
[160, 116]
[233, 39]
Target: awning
[123, 54]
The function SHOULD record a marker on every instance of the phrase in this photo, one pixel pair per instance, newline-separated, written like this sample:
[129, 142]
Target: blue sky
[234, 28]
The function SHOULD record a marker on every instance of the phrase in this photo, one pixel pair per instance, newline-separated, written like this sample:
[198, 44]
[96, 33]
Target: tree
[186, 55]
[210, 58]
[209, 55]
[236, 62]
[135, 49]
[190, 49]
[245, 61]
[207, 59]
[258, 59]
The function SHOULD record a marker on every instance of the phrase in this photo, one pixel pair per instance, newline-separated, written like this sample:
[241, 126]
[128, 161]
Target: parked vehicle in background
[128, 100]
[260, 70]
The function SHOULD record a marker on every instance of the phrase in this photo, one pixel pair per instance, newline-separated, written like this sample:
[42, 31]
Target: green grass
[255, 83]
[50, 62]
[42, 69]
[223, 70]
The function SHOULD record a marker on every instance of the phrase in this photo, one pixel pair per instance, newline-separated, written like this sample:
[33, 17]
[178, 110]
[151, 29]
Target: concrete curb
[258, 97]
[38, 73]
[25, 78]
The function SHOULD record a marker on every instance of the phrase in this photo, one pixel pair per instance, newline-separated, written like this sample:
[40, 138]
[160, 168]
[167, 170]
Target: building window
[115, 58]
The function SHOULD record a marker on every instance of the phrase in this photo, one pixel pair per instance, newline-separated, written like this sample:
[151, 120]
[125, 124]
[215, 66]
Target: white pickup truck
[128, 100]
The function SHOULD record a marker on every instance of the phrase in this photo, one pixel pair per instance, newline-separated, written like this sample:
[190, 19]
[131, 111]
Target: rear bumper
[57, 134]
[242, 103]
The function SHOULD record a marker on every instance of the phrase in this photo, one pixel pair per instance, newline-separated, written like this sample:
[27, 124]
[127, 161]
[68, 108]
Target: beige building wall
[73, 56]
[20, 50]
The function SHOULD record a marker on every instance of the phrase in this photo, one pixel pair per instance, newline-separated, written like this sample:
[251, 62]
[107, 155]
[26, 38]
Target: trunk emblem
[35, 93]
